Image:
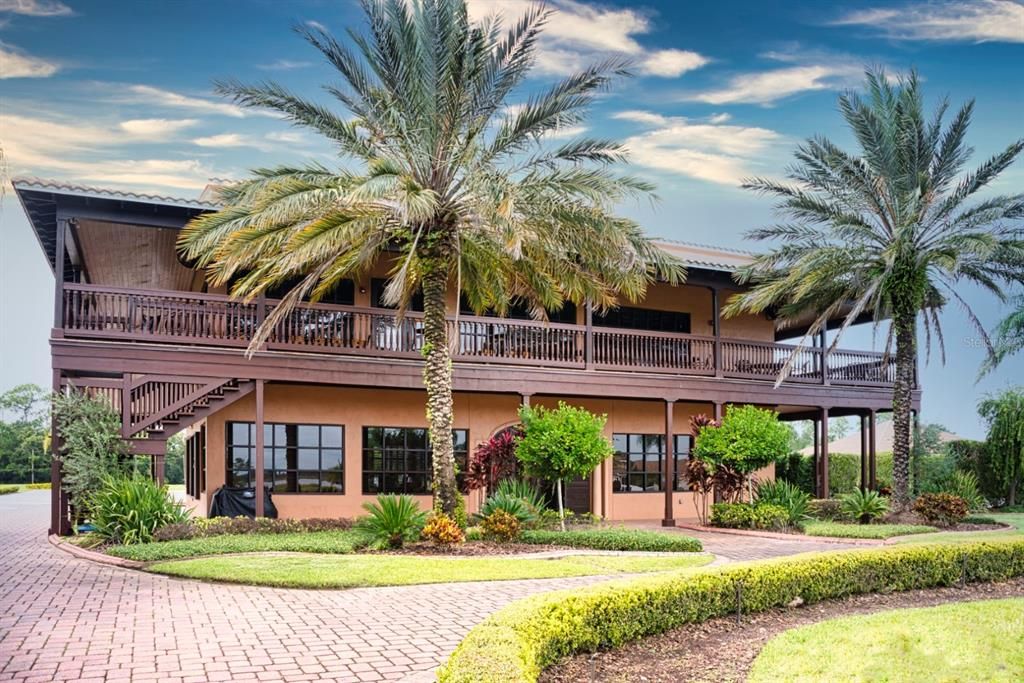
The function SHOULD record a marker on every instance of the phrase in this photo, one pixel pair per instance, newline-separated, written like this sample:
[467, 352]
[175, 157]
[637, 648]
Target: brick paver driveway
[63, 618]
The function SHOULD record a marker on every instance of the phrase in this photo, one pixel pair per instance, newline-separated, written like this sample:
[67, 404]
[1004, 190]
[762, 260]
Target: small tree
[748, 439]
[1005, 444]
[561, 444]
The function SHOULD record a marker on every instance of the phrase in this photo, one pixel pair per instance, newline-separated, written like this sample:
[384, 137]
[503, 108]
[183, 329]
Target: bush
[974, 457]
[843, 471]
[39, 486]
[863, 506]
[5, 489]
[494, 460]
[203, 527]
[549, 519]
[879, 531]
[616, 539]
[787, 496]
[391, 521]
[943, 509]
[129, 509]
[501, 526]
[747, 439]
[501, 501]
[442, 530]
[826, 509]
[519, 641]
[749, 516]
[979, 519]
[965, 485]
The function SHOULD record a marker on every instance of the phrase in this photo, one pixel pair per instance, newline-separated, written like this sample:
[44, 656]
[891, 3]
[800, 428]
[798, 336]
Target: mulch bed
[721, 650]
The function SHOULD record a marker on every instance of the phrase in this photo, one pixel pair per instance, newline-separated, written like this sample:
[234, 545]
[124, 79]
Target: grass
[321, 571]
[878, 531]
[970, 641]
[1016, 520]
[330, 542]
[615, 539]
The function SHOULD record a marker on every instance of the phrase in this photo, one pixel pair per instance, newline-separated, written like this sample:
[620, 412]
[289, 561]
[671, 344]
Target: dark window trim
[461, 459]
[680, 454]
[269, 457]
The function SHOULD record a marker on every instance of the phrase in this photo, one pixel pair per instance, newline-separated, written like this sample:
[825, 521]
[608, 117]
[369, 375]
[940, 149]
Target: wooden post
[58, 273]
[864, 477]
[158, 466]
[823, 345]
[59, 522]
[588, 341]
[824, 453]
[716, 330]
[670, 465]
[524, 399]
[717, 410]
[872, 467]
[260, 512]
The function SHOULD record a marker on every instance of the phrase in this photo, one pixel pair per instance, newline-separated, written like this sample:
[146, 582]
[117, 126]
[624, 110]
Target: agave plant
[863, 506]
[391, 521]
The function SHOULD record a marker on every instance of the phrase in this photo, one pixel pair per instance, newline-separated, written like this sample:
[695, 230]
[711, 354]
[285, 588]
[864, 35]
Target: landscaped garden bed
[723, 649]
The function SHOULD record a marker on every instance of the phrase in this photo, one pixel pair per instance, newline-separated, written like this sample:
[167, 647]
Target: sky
[120, 95]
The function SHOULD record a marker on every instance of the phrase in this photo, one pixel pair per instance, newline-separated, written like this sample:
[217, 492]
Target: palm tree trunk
[906, 361]
[437, 378]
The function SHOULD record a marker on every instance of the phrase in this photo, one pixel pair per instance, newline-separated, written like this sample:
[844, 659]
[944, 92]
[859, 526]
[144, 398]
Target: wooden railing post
[823, 350]
[588, 340]
[716, 330]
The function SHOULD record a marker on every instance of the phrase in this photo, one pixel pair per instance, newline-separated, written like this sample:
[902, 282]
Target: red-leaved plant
[494, 460]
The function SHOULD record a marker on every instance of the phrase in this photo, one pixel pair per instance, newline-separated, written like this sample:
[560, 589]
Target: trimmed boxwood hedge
[519, 641]
[615, 539]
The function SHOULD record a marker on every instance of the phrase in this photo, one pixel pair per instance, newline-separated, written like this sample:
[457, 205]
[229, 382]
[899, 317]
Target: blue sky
[119, 94]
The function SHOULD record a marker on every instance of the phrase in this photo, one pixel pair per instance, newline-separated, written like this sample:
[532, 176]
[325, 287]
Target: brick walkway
[67, 619]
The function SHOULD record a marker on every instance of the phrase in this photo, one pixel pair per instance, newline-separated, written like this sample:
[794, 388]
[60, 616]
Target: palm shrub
[526, 490]
[441, 175]
[886, 231]
[509, 503]
[129, 509]
[863, 506]
[391, 521]
[785, 495]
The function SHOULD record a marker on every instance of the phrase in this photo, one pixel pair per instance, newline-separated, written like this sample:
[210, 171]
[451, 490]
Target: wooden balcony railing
[216, 320]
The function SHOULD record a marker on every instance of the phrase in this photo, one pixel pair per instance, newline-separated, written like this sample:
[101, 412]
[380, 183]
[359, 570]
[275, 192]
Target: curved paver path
[63, 618]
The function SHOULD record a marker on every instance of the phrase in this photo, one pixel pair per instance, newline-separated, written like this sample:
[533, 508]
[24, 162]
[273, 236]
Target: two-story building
[336, 391]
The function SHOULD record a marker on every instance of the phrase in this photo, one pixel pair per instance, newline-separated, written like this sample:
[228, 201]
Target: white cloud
[973, 20]
[284, 65]
[223, 140]
[36, 8]
[578, 34]
[720, 118]
[567, 132]
[768, 86]
[275, 141]
[717, 153]
[15, 63]
[317, 25]
[155, 129]
[146, 94]
[289, 136]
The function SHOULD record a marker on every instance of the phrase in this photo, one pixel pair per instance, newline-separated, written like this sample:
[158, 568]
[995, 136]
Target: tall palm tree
[1009, 337]
[464, 191]
[887, 231]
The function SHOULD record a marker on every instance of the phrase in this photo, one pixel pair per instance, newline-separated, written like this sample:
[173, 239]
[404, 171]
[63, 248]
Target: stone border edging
[92, 555]
[799, 538]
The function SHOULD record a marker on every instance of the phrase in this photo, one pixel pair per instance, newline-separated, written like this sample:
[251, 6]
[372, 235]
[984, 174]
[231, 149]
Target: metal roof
[74, 189]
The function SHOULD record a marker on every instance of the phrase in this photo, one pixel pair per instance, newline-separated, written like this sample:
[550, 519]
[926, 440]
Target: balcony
[137, 315]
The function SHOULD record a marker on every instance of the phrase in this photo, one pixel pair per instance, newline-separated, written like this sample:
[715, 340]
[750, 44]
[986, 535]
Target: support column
[158, 461]
[717, 410]
[824, 453]
[864, 465]
[872, 466]
[669, 469]
[260, 512]
[588, 340]
[59, 522]
[58, 272]
[716, 330]
[524, 399]
[816, 456]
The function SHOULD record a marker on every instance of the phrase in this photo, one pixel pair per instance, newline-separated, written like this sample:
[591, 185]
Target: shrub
[943, 509]
[500, 526]
[979, 519]
[549, 519]
[494, 460]
[203, 527]
[519, 641]
[863, 506]
[748, 439]
[39, 486]
[442, 530]
[5, 489]
[749, 516]
[965, 485]
[526, 490]
[391, 521]
[826, 509]
[975, 457]
[129, 509]
[616, 539]
[511, 505]
[787, 496]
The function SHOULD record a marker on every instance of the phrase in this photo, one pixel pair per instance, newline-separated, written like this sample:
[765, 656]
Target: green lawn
[333, 542]
[974, 641]
[1016, 520]
[839, 530]
[323, 571]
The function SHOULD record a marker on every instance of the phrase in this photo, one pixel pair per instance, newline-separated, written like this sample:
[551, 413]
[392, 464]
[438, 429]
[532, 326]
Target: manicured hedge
[5, 489]
[39, 486]
[519, 641]
[615, 539]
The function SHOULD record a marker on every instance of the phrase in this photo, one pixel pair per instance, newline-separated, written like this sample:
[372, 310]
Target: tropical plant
[561, 444]
[942, 509]
[787, 496]
[391, 521]
[129, 509]
[501, 526]
[749, 516]
[1009, 337]
[442, 530]
[886, 232]
[443, 175]
[747, 439]
[1005, 441]
[864, 506]
[509, 502]
[963, 485]
[494, 460]
[91, 447]
[525, 490]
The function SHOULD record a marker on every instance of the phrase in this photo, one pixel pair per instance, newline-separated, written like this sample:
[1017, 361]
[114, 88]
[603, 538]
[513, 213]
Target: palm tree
[1009, 337]
[888, 232]
[463, 190]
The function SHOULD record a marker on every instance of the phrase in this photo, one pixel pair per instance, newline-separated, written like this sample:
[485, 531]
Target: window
[377, 286]
[639, 460]
[517, 310]
[398, 459]
[644, 319]
[297, 458]
[343, 294]
[195, 463]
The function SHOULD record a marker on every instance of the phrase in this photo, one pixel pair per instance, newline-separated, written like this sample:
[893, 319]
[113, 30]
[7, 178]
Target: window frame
[404, 455]
[680, 455]
[271, 451]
